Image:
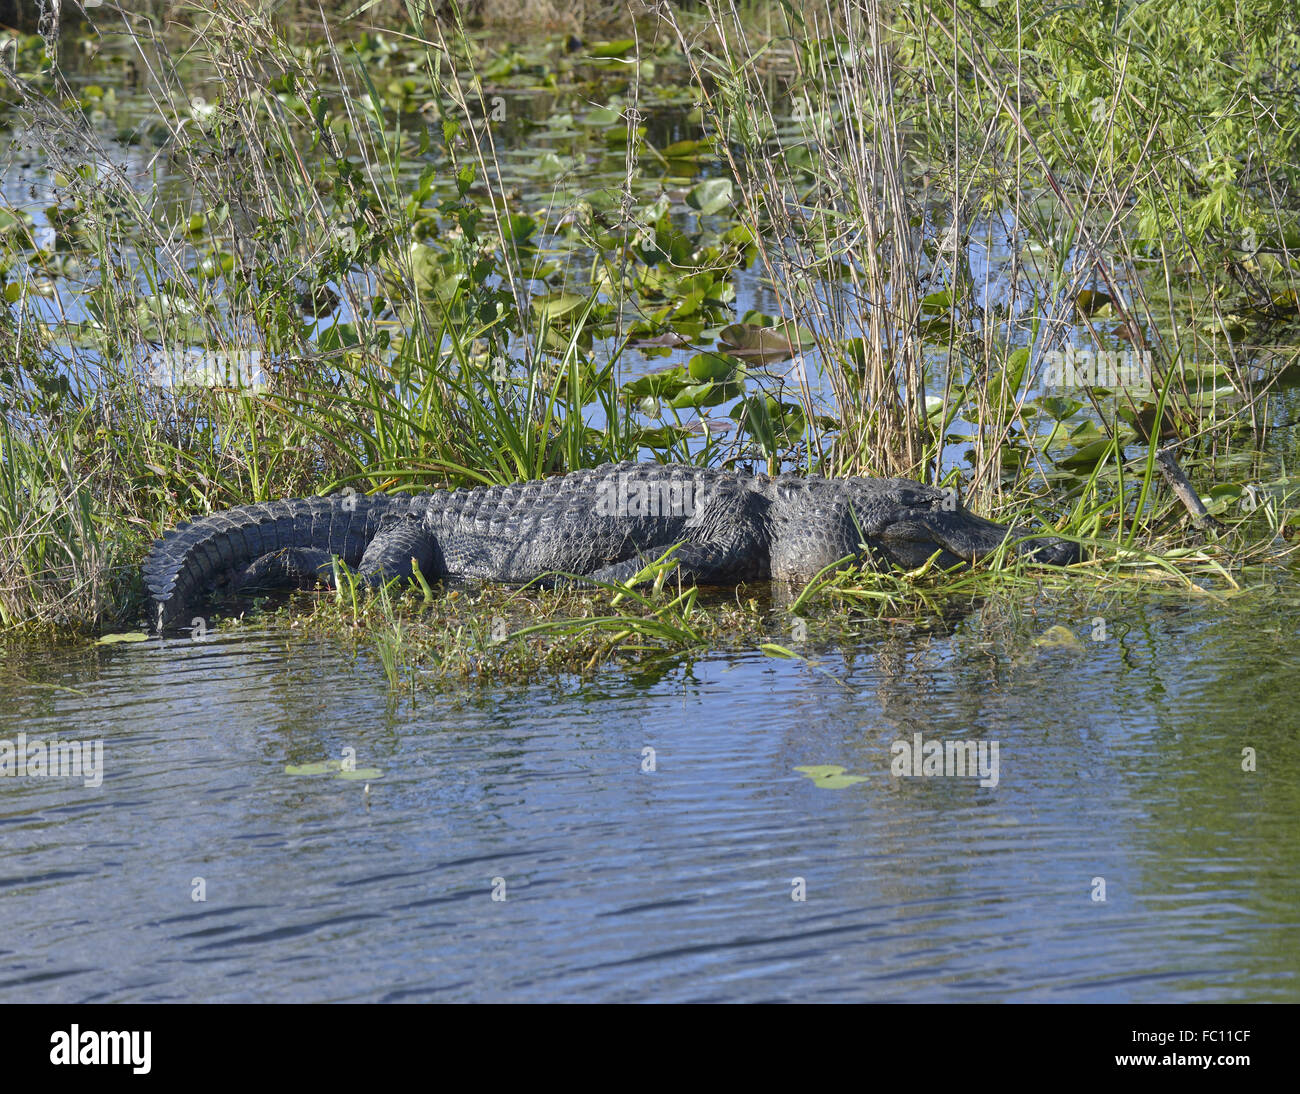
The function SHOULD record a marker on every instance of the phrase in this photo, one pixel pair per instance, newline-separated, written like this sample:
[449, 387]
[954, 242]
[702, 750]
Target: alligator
[599, 525]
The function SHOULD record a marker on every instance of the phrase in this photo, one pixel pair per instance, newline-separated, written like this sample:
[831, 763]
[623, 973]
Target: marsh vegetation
[1010, 248]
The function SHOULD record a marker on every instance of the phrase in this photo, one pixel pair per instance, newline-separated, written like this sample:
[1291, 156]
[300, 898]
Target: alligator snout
[1050, 551]
[918, 533]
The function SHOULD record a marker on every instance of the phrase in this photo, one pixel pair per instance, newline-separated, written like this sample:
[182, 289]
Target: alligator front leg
[699, 563]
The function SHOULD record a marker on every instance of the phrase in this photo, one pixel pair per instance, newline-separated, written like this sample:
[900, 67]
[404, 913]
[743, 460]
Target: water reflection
[1121, 762]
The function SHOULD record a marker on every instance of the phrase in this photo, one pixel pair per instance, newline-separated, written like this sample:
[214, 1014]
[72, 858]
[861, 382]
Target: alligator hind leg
[293, 567]
[392, 552]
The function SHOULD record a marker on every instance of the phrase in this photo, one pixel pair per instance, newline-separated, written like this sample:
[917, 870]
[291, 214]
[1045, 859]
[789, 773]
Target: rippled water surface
[1120, 762]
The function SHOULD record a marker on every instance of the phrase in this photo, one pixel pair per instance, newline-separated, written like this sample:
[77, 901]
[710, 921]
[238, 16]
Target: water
[1120, 766]
[1119, 760]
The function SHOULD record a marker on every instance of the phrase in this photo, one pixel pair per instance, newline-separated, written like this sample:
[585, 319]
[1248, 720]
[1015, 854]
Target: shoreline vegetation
[249, 254]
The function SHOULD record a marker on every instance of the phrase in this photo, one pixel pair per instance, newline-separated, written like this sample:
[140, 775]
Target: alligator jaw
[1049, 550]
[959, 536]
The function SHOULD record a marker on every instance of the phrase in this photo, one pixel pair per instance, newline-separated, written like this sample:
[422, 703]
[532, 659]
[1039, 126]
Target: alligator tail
[219, 549]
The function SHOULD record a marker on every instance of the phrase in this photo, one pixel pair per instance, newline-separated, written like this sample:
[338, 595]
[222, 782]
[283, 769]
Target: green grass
[476, 335]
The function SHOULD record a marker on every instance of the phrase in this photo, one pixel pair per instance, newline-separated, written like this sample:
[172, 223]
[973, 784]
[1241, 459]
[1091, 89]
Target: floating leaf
[668, 340]
[325, 767]
[707, 395]
[557, 305]
[604, 199]
[1058, 407]
[710, 366]
[710, 196]
[937, 331]
[763, 345]
[321, 767]
[620, 47]
[1059, 637]
[830, 776]
[126, 636]
[601, 117]
[549, 165]
[687, 150]
[517, 227]
[656, 385]
[1229, 495]
[500, 67]
[936, 302]
[1090, 302]
[1087, 456]
[661, 437]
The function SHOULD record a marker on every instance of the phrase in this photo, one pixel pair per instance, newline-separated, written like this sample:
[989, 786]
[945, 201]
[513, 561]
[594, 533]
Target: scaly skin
[601, 524]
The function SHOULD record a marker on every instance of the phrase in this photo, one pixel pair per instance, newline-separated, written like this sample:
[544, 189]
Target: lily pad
[687, 150]
[763, 345]
[937, 302]
[557, 305]
[518, 227]
[665, 384]
[321, 767]
[710, 196]
[620, 47]
[830, 776]
[1089, 455]
[326, 767]
[661, 437]
[602, 116]
[710, 366]
[707, 394]
[1061, 638]
[1058, 407]
[1092, 302]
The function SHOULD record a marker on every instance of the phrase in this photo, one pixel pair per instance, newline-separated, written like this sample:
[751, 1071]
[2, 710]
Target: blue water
[1119, 760]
